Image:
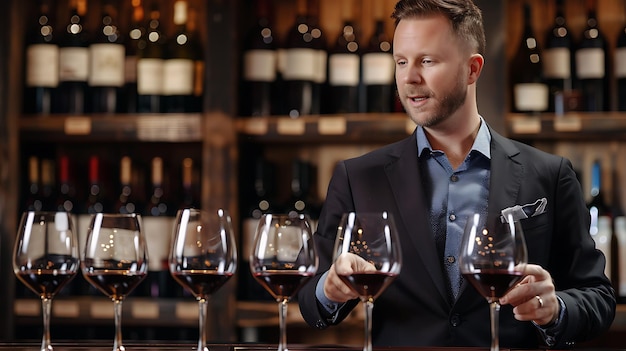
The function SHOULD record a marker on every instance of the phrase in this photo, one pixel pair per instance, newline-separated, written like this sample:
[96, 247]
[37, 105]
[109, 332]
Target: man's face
[431, 69]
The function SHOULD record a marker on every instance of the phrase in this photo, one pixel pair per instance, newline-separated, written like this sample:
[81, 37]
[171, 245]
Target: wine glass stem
[202, 316]
[117, 309]
[494, 311]
[369, 307]
[282, 322]
[46, 307]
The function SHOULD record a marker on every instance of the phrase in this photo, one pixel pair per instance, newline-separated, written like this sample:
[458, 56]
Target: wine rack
[219, 136]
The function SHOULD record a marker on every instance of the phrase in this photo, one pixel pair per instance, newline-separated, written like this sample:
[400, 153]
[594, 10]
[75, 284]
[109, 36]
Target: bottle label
[301, 64]
[320, 70]
[158, 237]
[178, 76]
[130, 69]
[620, 63]
[531, 97]
[149, 76]
[556, 63]
[343, 70]
[249, 231]
[590, 63]
[73, 64]
[260, 65]
[378, 69]
[42, 65]
[107, 65]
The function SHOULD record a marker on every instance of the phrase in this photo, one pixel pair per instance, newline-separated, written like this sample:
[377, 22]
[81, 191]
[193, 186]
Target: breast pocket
[538, 234]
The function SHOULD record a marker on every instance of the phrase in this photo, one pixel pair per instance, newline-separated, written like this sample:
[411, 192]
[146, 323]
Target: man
[565, 296]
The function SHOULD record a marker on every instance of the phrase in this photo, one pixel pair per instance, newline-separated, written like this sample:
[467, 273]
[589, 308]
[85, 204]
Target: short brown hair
[465, 17]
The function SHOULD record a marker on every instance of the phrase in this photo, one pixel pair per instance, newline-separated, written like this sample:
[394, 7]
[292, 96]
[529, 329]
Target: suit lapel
[406, 183]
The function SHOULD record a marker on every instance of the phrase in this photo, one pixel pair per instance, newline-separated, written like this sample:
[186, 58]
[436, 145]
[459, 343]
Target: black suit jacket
[415, 309]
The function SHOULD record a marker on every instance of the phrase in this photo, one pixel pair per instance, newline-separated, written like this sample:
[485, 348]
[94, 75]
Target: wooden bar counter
[133, 346]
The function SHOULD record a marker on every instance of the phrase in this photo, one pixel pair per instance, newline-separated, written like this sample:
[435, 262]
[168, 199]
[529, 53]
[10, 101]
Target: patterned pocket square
[518, 212]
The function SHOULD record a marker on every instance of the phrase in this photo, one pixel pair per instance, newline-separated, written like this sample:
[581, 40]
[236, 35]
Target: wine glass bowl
[203, 257]
[46, 258]
[368, 243]
[115, 260]
[493, 258]
[283, 258]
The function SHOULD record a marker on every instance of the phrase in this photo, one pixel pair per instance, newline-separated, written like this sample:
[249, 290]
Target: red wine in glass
[203, 283]
[369, 284]
[45, 282]
[493, 283]
[115, 284]
[282, 284]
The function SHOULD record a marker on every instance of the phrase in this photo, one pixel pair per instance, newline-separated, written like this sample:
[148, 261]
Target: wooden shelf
[348, 128]
[112, 128]
[577, 126]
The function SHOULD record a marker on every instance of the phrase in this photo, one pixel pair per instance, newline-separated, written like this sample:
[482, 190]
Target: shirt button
[451, 259]
[452, 217]
[454, 178]
[455, 320]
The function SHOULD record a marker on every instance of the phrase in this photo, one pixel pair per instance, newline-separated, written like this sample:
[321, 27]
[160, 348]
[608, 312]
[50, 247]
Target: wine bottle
[558, 64]
[150, 65]
[259, 199]
[106, 68]
[48, 193]
[127, 200]
[300, 73]
[33, 200]
[158, 223]
[197, 104]
[302, 199]
[318, 43]
[96, 200]
[592, 64]
[618, 218]
[190, 191]
[620, 233]
[179, 65]
[42, 64]
[601, 225]
[74, 62]
[259, 66]
[66, 192]
[529, 91]
[344, 67]
[620, 67]
[378, 67]
[135, 40]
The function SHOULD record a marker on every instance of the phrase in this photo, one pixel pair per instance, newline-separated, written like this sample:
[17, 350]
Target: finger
[541, 309]
[537, 272]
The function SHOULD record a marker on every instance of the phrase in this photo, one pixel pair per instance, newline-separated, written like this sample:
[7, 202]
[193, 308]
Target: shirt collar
[481, 143]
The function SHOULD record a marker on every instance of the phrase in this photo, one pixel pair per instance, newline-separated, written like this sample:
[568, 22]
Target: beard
[444, 108]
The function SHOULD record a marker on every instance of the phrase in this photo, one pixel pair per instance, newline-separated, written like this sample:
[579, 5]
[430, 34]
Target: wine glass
[45, 258]
[115, 260]
[203, 257]
[493, 259]
[367, 258]
[283, 258]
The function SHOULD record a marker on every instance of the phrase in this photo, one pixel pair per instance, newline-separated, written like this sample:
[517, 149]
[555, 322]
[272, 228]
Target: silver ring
[540, 300]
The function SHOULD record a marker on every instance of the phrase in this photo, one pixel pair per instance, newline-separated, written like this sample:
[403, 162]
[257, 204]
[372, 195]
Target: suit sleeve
[338, 201]
[577, 267]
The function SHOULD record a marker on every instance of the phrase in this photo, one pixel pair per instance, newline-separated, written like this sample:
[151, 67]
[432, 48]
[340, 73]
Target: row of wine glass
[203, 257]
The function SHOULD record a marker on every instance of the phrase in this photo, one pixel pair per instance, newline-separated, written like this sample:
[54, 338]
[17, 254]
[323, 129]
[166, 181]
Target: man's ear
[476, 62]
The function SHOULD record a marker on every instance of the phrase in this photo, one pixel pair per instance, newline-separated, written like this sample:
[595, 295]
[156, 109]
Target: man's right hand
[334, 288]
